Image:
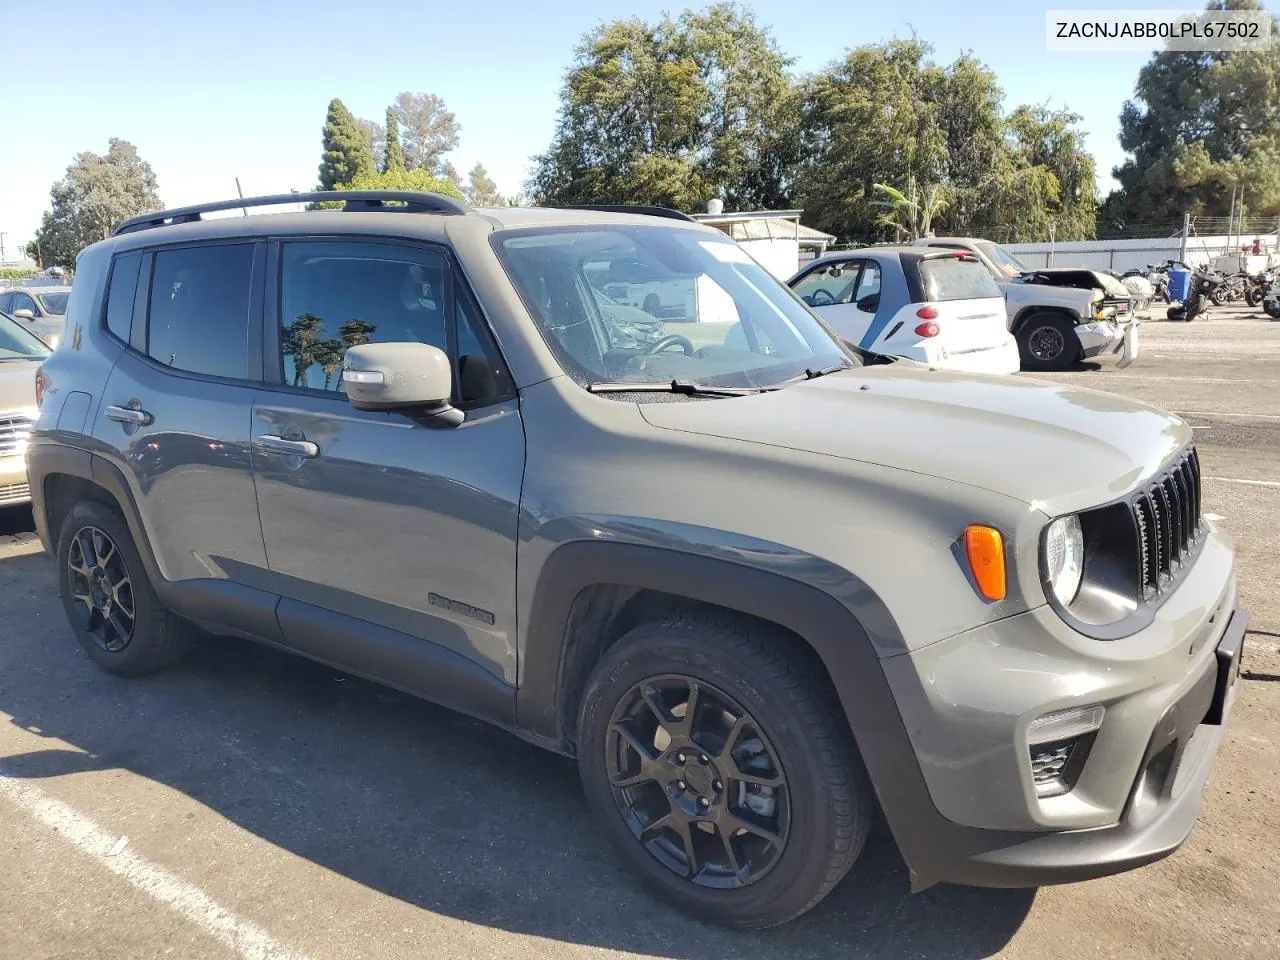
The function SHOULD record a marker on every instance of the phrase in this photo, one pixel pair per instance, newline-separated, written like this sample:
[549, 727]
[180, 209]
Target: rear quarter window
[949, 278]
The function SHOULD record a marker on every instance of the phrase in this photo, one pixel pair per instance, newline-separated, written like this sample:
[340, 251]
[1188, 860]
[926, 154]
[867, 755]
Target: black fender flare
[841, 639]
[46, 459]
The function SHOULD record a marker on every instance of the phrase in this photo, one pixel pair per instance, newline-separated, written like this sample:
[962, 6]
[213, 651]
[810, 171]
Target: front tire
[719, 764]
[1047, 341]
[115, 613]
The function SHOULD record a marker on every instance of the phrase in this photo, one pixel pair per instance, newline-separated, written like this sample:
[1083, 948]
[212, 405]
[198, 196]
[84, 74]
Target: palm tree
[355, 332]
[299, 341]
[328, 353]
[912, 212]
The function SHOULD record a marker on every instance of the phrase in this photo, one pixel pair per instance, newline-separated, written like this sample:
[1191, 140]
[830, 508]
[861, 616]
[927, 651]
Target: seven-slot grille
[14, 430]
[1167, 513]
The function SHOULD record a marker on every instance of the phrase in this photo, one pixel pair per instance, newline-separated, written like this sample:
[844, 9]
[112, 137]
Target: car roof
[41, 288]
[391, 222]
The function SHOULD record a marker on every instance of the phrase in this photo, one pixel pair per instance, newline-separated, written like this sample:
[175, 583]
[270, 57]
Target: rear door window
[198, 317]
[951, 278]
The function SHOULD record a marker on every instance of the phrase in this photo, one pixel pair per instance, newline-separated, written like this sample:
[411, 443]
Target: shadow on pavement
[418, 803]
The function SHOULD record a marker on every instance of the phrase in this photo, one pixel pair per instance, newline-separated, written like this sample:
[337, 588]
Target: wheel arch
[589, 593]
[67, 475]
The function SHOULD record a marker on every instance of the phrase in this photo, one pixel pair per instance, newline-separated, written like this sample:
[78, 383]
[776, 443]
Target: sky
[210, 92]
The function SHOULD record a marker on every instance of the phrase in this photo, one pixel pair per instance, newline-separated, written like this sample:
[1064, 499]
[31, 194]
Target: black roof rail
[354, 200]
[647, 211]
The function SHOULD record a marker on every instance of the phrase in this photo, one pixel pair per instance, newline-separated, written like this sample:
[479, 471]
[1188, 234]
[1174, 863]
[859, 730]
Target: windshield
[17, 344]
[714, 316]
[1007, 263]
[55, 303]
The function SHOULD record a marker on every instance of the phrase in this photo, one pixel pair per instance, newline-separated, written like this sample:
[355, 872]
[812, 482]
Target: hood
[1059, 448]
[1080, 277]
[18, 384]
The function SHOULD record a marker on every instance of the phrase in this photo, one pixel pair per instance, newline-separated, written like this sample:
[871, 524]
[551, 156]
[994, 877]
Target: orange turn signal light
[984, 547]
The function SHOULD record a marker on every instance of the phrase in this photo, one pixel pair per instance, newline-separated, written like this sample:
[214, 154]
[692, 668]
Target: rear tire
[114, 611]
[805, 785]
[1047, 341]
[1271, 308]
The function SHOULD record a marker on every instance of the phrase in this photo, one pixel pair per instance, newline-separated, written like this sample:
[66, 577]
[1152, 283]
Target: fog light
[1058, 745]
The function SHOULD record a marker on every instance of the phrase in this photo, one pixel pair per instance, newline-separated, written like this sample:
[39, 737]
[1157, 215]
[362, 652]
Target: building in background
[776, 239]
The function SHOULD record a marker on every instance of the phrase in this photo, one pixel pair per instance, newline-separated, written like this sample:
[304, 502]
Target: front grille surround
[1137, 549]
[15, 428]
[1167, 519]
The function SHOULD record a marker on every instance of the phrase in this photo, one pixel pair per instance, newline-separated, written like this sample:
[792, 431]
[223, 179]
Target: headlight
[1064, 557]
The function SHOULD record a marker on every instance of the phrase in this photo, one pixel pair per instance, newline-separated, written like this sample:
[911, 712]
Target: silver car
[761, 586]
[41, 310]
[21, 354]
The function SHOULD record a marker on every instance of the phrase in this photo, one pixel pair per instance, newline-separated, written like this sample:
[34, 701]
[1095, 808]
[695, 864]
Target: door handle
[292, 448]
[139, 418]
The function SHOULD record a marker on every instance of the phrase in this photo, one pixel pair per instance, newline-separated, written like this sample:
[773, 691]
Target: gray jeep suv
[760, 585]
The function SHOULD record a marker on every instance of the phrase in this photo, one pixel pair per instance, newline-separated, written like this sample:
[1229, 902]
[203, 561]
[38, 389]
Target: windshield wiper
[687, 387]
[823, 371]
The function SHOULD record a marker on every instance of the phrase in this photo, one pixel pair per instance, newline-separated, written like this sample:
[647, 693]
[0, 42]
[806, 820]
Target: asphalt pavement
[252, 805]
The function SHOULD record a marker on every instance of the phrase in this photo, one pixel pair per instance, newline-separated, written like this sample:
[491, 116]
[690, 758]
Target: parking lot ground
[252, 805]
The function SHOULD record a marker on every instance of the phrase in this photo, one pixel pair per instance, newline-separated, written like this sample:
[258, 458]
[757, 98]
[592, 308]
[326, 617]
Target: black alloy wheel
[102, 589]
[697, 782]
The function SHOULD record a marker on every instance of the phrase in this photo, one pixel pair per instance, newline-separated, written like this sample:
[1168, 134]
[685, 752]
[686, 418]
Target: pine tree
[395, 149]
[347, 152]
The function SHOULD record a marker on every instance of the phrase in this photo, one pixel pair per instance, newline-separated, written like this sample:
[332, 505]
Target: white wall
[1121, 255]
[779, 255]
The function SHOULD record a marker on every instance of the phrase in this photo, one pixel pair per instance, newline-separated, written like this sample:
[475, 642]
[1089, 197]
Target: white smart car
[940, 307]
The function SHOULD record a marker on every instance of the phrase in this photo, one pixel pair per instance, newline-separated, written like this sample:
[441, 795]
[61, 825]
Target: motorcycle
[1257, 287]
[1270, 303]
[1231, 290]
[1204, 283]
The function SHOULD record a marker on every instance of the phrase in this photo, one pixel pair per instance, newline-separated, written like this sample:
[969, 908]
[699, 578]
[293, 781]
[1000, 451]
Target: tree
[328, 354]
[376, 134]
[1201, 123]
[911, 213]
[428, 130]
[888, 114]
[482, 191]
[95, 195]
[394, 149]
[301, 341]
[347, 149]
[448, 173]
[408, 180]
[873, 118]
[674, 113]
[355, 332]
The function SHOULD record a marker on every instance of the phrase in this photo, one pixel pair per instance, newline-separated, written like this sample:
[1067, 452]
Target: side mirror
[400, 376]
[870, 303]
[23, 314]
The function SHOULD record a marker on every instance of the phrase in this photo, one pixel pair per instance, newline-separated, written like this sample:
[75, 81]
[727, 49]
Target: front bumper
[1099, 337]
[13, 481]
[967, 703]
